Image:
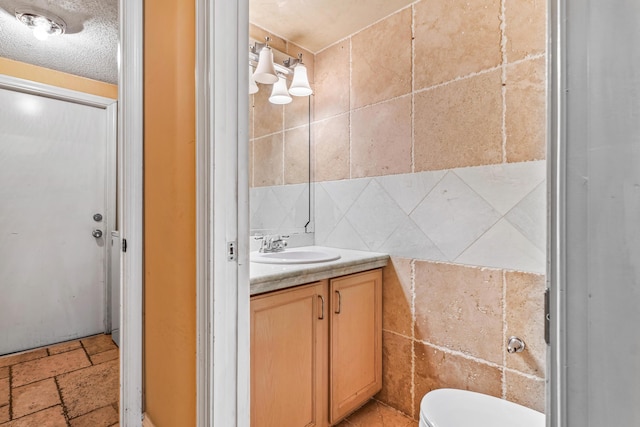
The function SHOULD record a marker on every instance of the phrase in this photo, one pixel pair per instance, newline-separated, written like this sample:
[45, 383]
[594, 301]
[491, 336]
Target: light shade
[265, 71]
[41, 25]
[41, 28]
[300, 84]
[279, 95]
[253, 87]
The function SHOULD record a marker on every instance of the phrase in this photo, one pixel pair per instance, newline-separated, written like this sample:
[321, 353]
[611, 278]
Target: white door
[53, 157]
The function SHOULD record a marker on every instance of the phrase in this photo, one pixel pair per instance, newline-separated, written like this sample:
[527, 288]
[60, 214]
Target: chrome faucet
[272, 243]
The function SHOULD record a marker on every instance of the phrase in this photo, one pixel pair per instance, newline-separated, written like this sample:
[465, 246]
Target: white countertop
[272, 277]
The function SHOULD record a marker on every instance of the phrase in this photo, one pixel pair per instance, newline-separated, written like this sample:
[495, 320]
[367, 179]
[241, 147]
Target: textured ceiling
[316, 24]
[88, 48]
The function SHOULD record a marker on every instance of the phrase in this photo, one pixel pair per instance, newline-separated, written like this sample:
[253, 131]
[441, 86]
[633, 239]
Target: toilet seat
[462, 408]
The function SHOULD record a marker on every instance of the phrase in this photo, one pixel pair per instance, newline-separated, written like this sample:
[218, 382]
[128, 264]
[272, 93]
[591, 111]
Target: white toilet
[460, 408]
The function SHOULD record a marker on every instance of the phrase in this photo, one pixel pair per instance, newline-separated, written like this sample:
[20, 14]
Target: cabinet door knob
[321, 307]
[339, 305]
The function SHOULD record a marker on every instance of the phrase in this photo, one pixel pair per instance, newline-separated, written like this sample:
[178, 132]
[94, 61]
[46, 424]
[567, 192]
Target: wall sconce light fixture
[253, 87]
[279, 94]
[300, 84]
[265, 71]
[268, 72]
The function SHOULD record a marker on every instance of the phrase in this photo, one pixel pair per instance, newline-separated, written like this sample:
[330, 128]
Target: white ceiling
[316, 24]
[88, 48]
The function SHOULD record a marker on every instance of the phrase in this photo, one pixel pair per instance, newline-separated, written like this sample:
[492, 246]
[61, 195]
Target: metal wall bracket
[231, 251]
[547, 318]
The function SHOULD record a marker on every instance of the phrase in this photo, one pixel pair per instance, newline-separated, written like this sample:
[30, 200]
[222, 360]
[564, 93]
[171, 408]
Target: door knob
[97, 233]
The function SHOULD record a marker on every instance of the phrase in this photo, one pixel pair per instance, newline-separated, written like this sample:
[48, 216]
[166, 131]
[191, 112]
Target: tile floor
[376, 414]
[75, 384]
[71, 384]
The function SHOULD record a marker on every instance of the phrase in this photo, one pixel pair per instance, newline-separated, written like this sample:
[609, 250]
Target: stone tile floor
[71, 384]
[376, 414]
[75, 384]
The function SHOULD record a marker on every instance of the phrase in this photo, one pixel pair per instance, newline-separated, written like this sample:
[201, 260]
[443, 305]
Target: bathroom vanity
[316, 339]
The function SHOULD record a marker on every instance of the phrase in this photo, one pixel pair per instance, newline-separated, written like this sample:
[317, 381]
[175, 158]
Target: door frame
[556, 196]
[130, 208]
[222, 213]
[110, 106]
[129, 197]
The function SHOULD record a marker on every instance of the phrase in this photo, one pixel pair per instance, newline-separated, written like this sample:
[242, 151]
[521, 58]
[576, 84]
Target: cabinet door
[356, 341]
[289, 337]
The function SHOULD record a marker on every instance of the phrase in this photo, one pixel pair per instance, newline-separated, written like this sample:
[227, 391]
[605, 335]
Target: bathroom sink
[295, 256]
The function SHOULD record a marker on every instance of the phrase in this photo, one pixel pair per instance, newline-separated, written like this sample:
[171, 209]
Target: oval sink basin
[294, 256]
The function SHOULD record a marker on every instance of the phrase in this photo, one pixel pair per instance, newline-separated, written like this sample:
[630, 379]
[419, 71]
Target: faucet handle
[280, 240]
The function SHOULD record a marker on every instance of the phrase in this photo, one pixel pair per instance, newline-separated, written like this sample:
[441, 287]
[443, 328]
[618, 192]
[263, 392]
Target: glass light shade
[300, 84]
[253, 87]
[41, 28]
[265, 71]
[279, 95]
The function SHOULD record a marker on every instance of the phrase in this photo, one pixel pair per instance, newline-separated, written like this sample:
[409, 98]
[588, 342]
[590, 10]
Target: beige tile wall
[440, 85]
[278, 148]
[446, 325]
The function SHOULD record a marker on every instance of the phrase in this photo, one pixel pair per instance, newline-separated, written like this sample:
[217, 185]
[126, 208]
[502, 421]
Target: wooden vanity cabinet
[316, 351]
[355, 331]
[289, 339]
